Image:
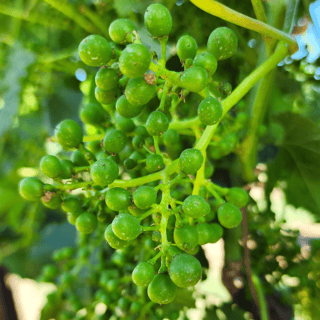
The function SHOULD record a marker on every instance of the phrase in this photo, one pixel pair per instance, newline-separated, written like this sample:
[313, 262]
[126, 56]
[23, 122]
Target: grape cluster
[142, 176]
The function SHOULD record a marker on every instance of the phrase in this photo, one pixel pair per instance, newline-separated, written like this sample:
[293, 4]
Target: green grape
[135, 211]
[93, 113]
[226, 88]
[118, 258]
[238, 197]
[185, 270]
[154, 162]
[107, 96]
[222, 43]
[65, 253]
[107, 78]
[170, 138]
[138, 92]
[104, 172]
[78, 159]
[135, 307]
[186, 47]
[191, 161]
[114, 140]
[124, 124]
[95, 51]
[156, 236]
[31, 189]
[73, 216]
[134, 60]
[186, 237]
[126, 227]
[207, 61]
[242, 118]
[262, 131]
[130, 163]
[161, 289]
[210, 111]
[69, 134]
[50, 166]
[195, 206]
[66, 169]
[71, 204]
[127, 110]
[49, 272]
[208, 169]
[86, 222]
[118, 199]
[229, 215]
[141, 131]
[217, 232]
[94, 146]
[205, 232]
[158, 20]
[157, 123]
[121, 31]
[143, 274]
[52, 201]
[194, 79]
[144, 197]
[137, 142]
[113, 240]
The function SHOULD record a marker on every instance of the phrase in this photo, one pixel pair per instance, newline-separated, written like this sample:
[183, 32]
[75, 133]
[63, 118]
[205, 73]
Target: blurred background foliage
[41, 74]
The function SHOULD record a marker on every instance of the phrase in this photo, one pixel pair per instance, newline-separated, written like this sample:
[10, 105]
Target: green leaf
[18, 61]
[298, 162]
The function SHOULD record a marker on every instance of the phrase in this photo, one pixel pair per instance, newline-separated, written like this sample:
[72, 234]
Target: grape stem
[219, 10]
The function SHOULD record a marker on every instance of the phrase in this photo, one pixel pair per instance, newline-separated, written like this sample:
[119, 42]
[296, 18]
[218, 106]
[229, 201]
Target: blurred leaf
[125, 7]
[184, 299]
[18, 61]
[63, 104]
[28, 262]
[8, 234]
[298, 162]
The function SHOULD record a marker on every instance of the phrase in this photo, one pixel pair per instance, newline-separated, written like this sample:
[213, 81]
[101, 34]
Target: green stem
[219, 10]
[212, 190]
[280, 53]
[102, 25]
[261, 297]
[34, 18]
[164, 96]
[146, 228]
[72, 12]
[155, 258]
[156, 145]
[261, 15]
[200, 177]
[259, 10]
[63, 54]
[172, 168]
[248, 154]
[148, 213]
[81, 169]
[163, 43]
[72, 186]
[184, 124]
[221, 190]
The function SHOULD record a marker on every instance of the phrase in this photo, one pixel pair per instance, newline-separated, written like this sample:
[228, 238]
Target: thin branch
[223, 12]
[246, 257]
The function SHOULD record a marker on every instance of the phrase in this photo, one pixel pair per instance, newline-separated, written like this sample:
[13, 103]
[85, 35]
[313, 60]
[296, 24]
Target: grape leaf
[18, 61]
[298, 161]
